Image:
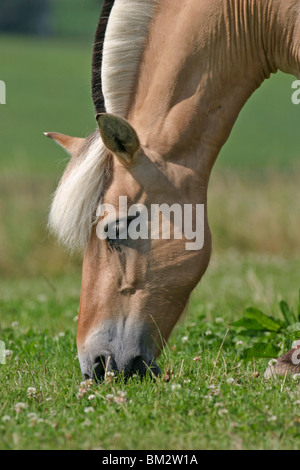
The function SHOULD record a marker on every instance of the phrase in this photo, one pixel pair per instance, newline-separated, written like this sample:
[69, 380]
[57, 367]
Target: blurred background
[45, 61]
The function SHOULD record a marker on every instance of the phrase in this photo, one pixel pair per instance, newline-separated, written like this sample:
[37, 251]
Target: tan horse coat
[201, 62]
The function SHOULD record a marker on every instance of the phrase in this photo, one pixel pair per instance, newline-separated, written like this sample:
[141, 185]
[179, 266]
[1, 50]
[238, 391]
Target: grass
[254, 217]
[200, 406]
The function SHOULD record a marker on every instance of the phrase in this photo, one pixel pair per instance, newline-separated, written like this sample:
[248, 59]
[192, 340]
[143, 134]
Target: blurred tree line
[49, 17]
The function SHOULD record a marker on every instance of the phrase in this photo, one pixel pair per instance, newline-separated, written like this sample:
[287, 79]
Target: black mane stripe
[97, 93]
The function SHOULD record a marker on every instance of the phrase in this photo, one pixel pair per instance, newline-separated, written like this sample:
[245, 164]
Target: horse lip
[137, 366]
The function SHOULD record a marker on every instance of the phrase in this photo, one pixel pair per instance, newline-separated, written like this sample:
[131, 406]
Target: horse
[169, 79]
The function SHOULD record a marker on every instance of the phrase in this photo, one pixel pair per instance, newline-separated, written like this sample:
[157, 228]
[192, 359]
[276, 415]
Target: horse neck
[202, 62]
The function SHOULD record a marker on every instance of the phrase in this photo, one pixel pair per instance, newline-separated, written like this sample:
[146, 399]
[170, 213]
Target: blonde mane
[82, 186]
[125, 38]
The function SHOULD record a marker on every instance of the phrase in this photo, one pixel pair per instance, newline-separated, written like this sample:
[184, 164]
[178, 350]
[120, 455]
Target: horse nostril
[140, 367]
[99, 368]
[110, 365]
[136, 366]
[102, 365]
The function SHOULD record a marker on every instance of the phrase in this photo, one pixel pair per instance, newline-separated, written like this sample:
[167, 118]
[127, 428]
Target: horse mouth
[105, 366]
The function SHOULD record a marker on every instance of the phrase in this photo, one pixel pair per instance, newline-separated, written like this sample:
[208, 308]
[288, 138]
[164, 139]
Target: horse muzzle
[123, 348]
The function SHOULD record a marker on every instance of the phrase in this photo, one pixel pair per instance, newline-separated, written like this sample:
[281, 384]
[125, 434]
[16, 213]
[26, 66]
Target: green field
[48, 88]
[254, 208]
[196, 406]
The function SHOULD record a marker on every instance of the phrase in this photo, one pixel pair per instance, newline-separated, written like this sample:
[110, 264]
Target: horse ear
[118, 136]
[70, 144]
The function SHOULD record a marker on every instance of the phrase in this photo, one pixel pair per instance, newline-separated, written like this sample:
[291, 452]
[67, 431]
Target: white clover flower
[109, 377]
[20, 407]
[91, 397]
[272, 418]
[121, 397]
[110, 398]
[33, 419]
[84, 388]
[86, 423]
[208, 333]
[239, 343]
[175, 387]
[219, 320]
[218, 405]
[230, 380]
[223, 412]
[15, 324]
[208, 397]
[89, 409]
[6, 418]
[87, 384]
[214, 391]
[184, 339]
[31, 392]
[296, 377]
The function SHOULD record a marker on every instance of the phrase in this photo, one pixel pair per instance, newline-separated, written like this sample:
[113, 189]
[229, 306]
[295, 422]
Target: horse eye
[118, 231]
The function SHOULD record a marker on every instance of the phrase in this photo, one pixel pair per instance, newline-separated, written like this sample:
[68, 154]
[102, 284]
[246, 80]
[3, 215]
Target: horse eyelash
[114, 244]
